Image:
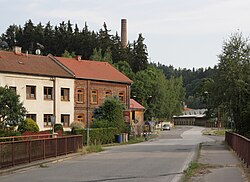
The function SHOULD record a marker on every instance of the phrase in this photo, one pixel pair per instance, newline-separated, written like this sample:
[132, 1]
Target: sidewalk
[218, 163]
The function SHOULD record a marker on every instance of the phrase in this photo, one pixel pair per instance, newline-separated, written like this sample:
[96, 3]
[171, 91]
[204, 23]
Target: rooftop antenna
[3, 44]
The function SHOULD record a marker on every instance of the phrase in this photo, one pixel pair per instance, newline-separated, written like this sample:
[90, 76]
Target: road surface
[160, 160]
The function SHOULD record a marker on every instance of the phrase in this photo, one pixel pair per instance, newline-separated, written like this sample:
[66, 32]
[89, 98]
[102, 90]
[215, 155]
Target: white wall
[39, 106]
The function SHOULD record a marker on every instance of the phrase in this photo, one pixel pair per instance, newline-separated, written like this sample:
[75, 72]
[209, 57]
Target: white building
[45, 88]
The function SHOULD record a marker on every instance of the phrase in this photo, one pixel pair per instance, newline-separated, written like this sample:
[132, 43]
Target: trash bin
[124, 137]
[118, 138]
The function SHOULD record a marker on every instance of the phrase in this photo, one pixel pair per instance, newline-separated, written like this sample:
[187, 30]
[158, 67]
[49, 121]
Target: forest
[162, 89]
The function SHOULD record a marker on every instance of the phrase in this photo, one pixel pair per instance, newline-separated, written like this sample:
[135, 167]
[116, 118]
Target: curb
[193, 156]
[38, 163]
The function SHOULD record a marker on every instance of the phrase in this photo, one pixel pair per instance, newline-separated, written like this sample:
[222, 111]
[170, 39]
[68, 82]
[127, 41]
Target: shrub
[76, 125]
[98, 135]
[8, 133]
[28, 125]
[58, 127]
[112, 111]
[100, 123]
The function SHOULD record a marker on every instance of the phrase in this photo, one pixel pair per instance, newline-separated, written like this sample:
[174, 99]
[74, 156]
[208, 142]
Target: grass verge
[215, 131]
[193, 166]
[91, 149]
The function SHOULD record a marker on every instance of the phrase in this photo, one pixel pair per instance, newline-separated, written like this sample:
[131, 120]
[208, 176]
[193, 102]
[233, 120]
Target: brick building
[94, 81]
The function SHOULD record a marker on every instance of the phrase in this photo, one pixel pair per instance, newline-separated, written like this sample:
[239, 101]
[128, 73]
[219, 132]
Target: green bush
[8, 133]
[28, 125]
[76, 125]
[58, 127]
[98, 135]
[100, 123]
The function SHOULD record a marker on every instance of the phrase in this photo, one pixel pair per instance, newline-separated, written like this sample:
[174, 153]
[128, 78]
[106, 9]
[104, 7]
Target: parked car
[166, 127]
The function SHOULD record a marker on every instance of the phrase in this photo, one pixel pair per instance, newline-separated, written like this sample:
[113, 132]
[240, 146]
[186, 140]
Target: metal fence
[18, 152]
[241, 145]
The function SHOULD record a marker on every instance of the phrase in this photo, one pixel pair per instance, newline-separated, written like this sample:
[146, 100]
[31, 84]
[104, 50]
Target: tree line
[66, 37]
[162, 96]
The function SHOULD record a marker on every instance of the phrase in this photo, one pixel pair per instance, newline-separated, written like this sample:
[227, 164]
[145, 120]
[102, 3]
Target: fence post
[248, 155]
[43, 148]
[56, 146]
[66, 145]
[29, 151]
[13, 156]
[75, 140]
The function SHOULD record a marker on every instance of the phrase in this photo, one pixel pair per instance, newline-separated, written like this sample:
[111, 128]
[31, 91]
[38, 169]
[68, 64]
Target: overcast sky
[182, 33]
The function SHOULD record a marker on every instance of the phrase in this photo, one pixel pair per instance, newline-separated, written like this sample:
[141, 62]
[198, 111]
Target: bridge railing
[25, 151]
[241, 146]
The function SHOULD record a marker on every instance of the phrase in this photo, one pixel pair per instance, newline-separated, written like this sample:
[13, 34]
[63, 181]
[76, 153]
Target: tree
[97, 55]
[66, 54]
[161, 97]
[231, 88]
[125, 68]
[11, 109]
[28, 125]
[28, 37]
[111, 113]
[139, 59]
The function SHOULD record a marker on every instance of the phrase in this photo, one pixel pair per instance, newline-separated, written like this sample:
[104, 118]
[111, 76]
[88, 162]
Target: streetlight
[53, 121]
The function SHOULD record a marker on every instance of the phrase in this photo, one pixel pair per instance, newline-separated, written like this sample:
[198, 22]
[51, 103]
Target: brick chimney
[78, 58]
[124, 32]
[17, 50]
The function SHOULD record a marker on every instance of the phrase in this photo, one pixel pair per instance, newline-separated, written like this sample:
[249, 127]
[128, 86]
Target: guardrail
[241, 146]
[25, 151]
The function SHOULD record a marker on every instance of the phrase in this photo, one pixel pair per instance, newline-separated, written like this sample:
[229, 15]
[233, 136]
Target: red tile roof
[135, 105]
[95, 70]
[11, 62]
[187, 109]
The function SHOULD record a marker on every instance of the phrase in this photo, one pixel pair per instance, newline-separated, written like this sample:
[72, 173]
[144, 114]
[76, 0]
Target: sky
[182, 33]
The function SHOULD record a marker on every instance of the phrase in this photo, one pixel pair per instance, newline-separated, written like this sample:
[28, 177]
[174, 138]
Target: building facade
[68, 89]
[44, 87]
[94, 81]
[136, 117]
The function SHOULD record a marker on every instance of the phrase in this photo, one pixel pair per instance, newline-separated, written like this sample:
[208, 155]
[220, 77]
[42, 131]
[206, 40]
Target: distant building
[136, 117]
[192, 117]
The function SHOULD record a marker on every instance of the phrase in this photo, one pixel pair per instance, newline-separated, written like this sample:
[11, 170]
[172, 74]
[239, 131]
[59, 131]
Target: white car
[166, 127]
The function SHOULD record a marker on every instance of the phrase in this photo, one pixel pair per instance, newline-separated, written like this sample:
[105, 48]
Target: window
[108, 93]
[31, 92]
[47, 119]
[94, 96]
[79, 94]
[13, 89]
[65, 119]
[47, 92]
[31, 116]
[80, 118]
[121, 96]
[133, 115]
[64, 94]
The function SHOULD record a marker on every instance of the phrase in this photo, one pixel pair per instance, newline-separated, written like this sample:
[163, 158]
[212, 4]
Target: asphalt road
[160, 160]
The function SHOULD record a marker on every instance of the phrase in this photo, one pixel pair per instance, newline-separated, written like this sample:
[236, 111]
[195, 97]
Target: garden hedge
[97, 135]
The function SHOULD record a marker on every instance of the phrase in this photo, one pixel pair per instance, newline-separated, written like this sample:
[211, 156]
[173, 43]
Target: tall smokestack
[124, 32]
